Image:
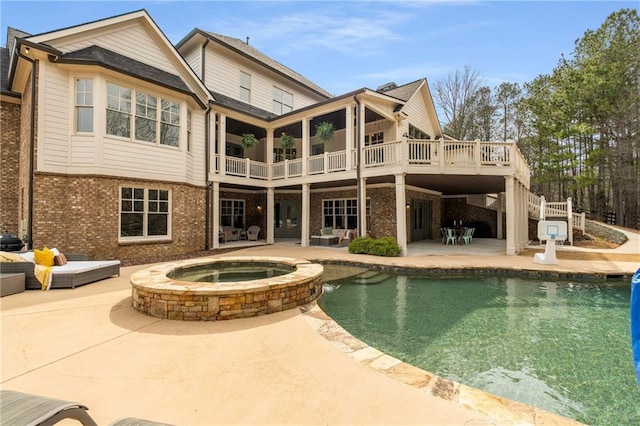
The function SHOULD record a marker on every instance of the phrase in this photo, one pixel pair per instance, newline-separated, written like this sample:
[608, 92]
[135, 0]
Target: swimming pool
[561, 346]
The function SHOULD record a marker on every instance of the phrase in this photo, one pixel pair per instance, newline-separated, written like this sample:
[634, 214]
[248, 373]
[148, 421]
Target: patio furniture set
[457, 235]
[329, 236]
[229, 233]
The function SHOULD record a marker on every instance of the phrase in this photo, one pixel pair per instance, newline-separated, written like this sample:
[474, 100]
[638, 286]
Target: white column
[222, 142]
[269, 153]
[511, 208]
[305, 145]
[215, 203]
[525, 215]
[401, 214]
[570, 220]
[270, 215]
[500, 229]
[362, 208]
[304, 234]
[349, 137]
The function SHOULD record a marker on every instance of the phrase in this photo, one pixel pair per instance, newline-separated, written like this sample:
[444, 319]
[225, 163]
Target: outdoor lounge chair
[252, 233]
[345, 235]
[132, 421]
[24, 409]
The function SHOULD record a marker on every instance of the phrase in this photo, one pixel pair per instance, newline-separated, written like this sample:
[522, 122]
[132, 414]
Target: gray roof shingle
[96, 55]
[242, 106]
[405, 91]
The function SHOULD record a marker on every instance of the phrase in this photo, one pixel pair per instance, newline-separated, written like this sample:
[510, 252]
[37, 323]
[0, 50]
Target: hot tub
[155, 293]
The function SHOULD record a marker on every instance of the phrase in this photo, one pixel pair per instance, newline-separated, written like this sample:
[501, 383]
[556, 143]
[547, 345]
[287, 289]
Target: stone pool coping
[157, 295]
[501, 410]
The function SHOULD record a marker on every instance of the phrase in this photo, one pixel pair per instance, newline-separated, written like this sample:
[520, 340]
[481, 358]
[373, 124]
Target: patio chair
[443, 235]
[451, 236]
[252, 233]
[467, 237]
[222, 236]
[24, 409]
[132, 421]
[344, 235]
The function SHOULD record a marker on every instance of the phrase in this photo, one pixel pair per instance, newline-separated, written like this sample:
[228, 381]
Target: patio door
[421, 211]
[287, 219]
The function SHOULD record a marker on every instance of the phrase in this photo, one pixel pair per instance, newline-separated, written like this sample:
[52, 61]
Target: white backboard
[552, 230]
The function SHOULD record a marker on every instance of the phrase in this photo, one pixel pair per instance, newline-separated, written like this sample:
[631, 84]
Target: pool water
[561, 346]
[215, 274]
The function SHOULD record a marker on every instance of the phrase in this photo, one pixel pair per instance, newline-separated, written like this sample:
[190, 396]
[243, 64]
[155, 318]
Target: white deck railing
[436, 155]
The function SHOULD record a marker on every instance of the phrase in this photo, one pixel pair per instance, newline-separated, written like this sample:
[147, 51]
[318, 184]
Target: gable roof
[187, 82]
[404, 92]
[242, 107]
[253, 54]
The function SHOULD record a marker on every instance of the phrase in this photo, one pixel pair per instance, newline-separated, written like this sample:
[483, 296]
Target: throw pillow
[44, 257]
[60, 259]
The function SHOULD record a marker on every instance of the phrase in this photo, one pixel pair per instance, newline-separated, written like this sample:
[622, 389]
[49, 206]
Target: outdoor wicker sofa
[76, 272]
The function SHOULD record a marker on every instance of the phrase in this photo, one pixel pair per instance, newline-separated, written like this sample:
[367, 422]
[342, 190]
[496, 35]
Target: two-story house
[118, 144]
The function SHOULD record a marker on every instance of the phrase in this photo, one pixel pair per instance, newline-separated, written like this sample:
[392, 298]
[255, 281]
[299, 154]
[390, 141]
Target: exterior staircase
[539, 209]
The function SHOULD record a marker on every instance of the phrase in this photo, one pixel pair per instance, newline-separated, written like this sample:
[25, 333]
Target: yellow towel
[6, 256]
[43, 275]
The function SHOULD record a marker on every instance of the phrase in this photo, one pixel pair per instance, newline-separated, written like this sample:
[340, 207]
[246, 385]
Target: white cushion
[55, 251]
[29, 256]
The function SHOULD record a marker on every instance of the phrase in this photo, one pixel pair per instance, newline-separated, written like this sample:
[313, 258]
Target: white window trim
[247, 89]
[280, 101]
[132, 115]
[145, 238]
[233, 201]
[76, 106]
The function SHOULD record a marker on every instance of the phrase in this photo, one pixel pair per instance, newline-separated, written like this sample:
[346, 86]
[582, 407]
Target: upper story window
[245, 87]
[282, 101]
[373, 138]
[118, 111]
[415, 133]
[84, 105]
[189, 130]
[156, 120]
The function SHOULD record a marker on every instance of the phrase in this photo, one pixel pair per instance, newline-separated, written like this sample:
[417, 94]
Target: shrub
[384, 246]
[360, 245]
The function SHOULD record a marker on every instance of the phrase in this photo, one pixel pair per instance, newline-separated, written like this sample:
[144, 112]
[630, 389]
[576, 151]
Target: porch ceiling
[446, 184]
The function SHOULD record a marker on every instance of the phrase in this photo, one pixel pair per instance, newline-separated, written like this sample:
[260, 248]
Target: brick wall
[80, 214]
[485, 220]
[10, 163]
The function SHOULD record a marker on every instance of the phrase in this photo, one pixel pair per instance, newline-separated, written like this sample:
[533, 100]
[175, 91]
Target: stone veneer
[157, 295]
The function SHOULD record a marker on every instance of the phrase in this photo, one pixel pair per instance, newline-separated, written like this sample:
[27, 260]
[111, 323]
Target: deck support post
[511, 216]
[401, 213]
[270, 215]
[215, 201]
[304, 217]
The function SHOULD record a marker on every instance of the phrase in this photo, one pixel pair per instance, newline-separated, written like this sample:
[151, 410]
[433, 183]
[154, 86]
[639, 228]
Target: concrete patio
[90, 346]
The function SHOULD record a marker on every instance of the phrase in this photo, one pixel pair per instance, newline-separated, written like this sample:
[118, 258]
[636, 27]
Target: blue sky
[343, 46]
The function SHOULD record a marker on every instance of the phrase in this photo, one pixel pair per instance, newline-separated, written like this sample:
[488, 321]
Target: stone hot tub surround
[157, 295]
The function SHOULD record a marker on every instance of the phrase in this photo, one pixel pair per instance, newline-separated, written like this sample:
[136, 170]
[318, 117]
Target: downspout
[207, 163]
[358, 172]
[207, 158]
[32, 150]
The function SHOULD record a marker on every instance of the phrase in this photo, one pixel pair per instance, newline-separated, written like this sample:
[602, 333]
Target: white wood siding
[60, 150]
[53, 110]
[416, 108]
[130, 39]
[223, 76]
[194, 59]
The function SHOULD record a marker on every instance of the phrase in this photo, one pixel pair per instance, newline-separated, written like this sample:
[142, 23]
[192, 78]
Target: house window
[144, 213]
[282, 101]
[342, 213]
[189, 130]
[281, 154]
[415, 133]
[170, 123]
[232, 213]
[146, 113]
[118, 111]
[234, 150]
[317, 149]
[84, 105]
[373, 138]
[150, 119]
[245, 87]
